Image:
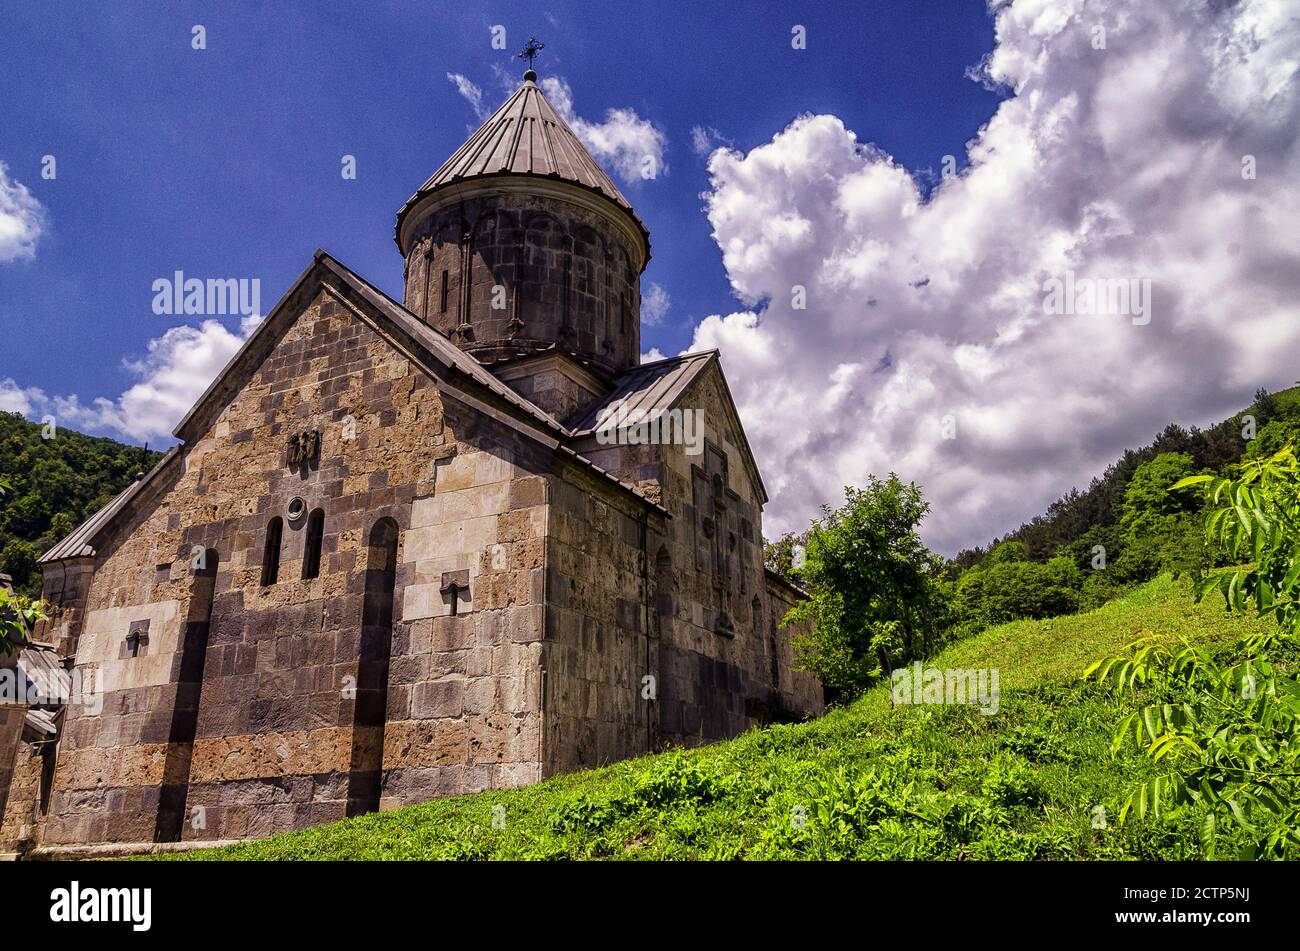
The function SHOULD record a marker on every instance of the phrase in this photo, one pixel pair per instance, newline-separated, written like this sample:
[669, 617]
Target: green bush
[1273, 437]
[1005, 590]
[878, 598]
[1159, 526]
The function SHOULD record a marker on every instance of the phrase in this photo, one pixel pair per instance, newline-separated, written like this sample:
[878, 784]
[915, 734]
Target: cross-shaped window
[453, 583]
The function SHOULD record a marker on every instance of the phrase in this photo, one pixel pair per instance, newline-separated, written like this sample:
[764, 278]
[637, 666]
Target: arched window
[315, 535]
[271, 554]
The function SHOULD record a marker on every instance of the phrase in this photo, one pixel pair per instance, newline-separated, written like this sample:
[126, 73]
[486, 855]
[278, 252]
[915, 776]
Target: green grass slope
[865, 781]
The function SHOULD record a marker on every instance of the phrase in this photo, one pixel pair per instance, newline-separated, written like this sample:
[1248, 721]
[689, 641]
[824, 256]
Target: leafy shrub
[586, 815]
[18, 614]
[1008, 590]
[1273, 437]
[1159, 525]
[847, 805]
[1009, 781]
[1100, 587]
[877, 593]
[1229, 729]
[674, 781]
[1038, 745]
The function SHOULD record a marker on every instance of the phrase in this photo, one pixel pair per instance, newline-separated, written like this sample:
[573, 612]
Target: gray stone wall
[600, 639]
[22, 812]
[464, 704]
[566, 274]
[242, 716]
[553, 382]
[722, 667]
[65, 586]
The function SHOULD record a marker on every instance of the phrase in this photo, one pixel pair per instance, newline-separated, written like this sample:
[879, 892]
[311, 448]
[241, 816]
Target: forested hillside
[56, 483]
[1081, 519]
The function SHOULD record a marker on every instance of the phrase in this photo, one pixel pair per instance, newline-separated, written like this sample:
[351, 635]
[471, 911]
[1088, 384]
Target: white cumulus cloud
[170, 377]
[923, 318]
[632, 146]
[654, 305]
[22, 219]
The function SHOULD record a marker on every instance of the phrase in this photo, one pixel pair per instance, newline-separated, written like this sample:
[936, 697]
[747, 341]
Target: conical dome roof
[526, 136]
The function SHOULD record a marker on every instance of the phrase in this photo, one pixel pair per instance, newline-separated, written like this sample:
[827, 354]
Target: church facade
[401, 552]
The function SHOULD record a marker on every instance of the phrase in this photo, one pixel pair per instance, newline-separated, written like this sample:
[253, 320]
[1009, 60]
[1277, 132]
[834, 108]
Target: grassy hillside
[866, 781]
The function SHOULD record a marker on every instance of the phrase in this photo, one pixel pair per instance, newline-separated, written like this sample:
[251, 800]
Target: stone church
[400, 552]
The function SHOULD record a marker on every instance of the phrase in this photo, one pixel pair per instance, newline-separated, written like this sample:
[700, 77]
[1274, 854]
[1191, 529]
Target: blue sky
[1104, 143]
[226, 161]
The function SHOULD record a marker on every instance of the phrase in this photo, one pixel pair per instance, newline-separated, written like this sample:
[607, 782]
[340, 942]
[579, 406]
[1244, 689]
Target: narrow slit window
[271, 554]
[446, 287]
[315, 535]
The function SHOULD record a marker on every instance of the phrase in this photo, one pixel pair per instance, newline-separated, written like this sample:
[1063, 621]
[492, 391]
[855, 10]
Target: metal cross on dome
[531, 50]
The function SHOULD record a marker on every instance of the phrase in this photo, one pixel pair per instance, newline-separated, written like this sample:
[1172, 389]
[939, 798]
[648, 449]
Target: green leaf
[1207, 835]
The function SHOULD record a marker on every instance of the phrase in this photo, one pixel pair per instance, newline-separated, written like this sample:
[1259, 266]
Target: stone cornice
[523, 185]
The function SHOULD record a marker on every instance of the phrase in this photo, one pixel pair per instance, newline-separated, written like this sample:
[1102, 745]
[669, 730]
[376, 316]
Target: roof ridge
[648, 389]
[551, 432]
[76, 544]
[712, 351]
[526, 136]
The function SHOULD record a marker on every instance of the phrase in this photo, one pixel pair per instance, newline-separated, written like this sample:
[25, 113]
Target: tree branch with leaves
[18, 614]
[1226, 724]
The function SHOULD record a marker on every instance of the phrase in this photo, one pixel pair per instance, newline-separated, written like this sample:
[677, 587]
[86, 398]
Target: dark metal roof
[77, 545]
[646, 391]
[775, 577]
[446, 352]
[49, 682]
[651, 389]
[526, 136]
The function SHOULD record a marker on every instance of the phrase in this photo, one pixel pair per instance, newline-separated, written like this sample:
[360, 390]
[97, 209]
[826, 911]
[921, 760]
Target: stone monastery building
[397, 556]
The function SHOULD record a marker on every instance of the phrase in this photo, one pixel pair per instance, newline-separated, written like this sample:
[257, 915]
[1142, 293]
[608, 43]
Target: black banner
[135, 901]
